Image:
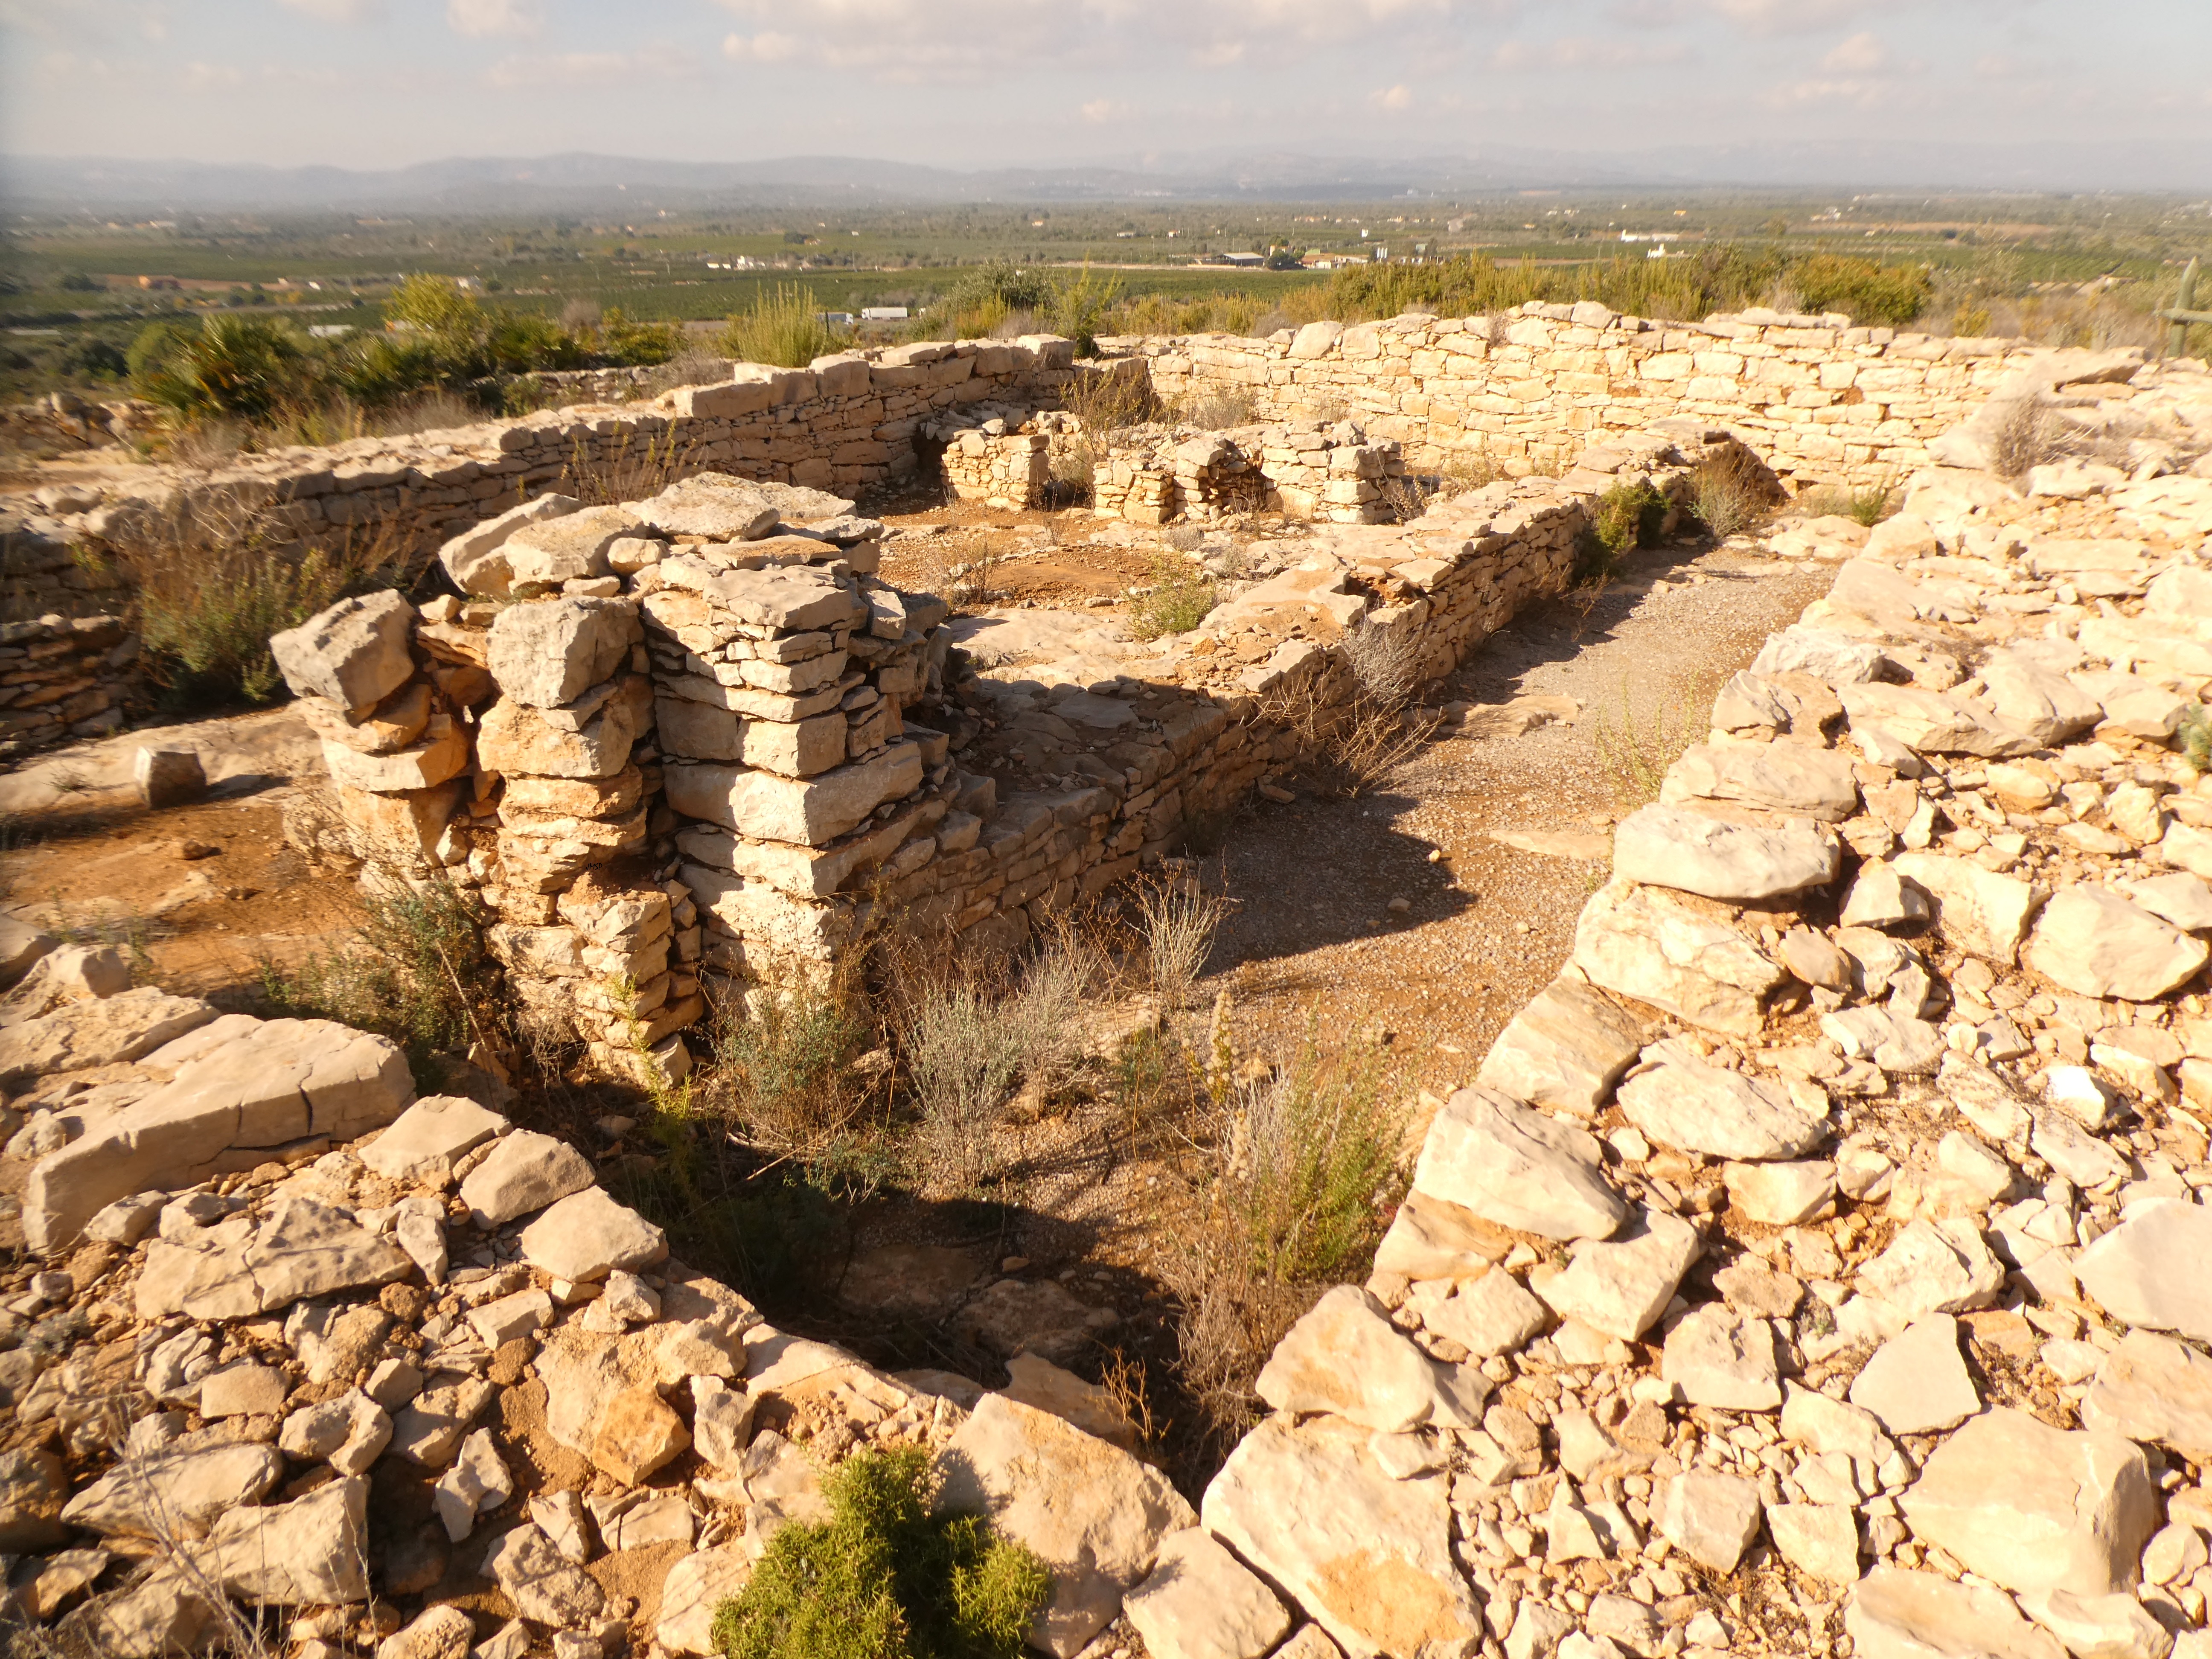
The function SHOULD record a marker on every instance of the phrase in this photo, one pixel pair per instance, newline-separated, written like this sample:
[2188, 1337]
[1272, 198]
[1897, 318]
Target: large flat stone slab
[1092, 1513]
[1518, 1168]
[1368, 1557]
[1697, 1107]
[1736, 863]
[1656, 947]
[279, 1082]
[1564, 1050]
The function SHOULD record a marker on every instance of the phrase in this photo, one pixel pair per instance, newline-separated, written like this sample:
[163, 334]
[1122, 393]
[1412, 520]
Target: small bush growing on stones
[1179, 924]
[1217, 412]
[213, 584]
[1177, 599]
[967, 1043]
[417, 970]
[1310, 1164]
[2021, 437]
[784, 328]
[783, 1071]
[885, 1577]
[1725, 493]
[1627, 516]
[1869, 504]
[2196, 735]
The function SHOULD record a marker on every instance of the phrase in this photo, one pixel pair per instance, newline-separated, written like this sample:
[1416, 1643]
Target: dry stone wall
[674, 741]
[1814, 1266]
[843, 424]
[64, 677]
[1820, 401]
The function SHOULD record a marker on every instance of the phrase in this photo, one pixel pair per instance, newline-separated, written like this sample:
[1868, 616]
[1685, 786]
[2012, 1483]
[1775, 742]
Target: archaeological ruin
[1812, 1267]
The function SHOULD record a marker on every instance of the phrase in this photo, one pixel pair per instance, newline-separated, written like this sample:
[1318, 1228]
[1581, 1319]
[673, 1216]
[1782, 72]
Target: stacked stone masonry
[675, 738]
[1821, 401]
[63, 679]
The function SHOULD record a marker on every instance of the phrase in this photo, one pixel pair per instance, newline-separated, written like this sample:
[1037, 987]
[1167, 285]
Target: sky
[971, 83]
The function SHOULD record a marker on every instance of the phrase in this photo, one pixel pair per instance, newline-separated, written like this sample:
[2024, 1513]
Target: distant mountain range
[584, 182]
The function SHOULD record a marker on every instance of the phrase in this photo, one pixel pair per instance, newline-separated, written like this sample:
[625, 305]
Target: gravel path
[1312, 950]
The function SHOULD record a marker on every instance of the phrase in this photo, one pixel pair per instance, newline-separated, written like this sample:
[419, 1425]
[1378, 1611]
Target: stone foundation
[63, 678]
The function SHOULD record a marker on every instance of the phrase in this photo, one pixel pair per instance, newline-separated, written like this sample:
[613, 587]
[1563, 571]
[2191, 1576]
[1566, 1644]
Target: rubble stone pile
[523, 739]
[1822, 401]
[1306, 469]
[395, 1376]
[64, 677]
[1815, 1265]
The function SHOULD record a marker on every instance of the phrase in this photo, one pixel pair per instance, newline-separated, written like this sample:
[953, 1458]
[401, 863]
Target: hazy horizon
[373, 85]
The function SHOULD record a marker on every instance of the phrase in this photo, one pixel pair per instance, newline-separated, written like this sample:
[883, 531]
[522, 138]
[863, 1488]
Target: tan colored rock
[1896, 1615]
[550, 653]
[274, 1082]
[442, 753]
[1564, 1050]
[473, 559]
[1697, 1107]
[1736, 863]
[312, 1551]
[1935, 1267]
[2143, 1271]
[544, 1586]
[2092, 941]
[1369, 1558]
[1620, 1286]
[1346, 1357]
[808, 811]
[637, 1434]
[1780, 1195]
[1792, 778]
[1709, 1518]
[2152, 1387]
[1093, 1514]
[1916, 1383]
[1980, 911]
[1655, 947]
[105, 1031]
[526, 1171]
[1821, 1539]
[1202, 1603]
[1038, 1382]
[429, 1136]
[586, 1236]
[1516, 1168]
[1721, 1359]
[694, 1592]
[2034, 1508]
[1431, 1237]
[355, 654]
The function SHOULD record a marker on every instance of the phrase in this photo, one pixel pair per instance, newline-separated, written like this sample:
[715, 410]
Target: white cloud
[1584, 52]
[965, 40]
[1394, 98]
[1099, 112]
[1797, 16]
[765, 47]
[480, 20]
[1862, 54]
[336, 12]
[652, 62]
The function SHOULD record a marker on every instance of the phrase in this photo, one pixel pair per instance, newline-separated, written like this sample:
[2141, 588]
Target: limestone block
[1518, 1168]
[355, 654]
[472, 558]
[550, 653]
[2034, 1508]
[810, 812]
[1346, 1356]
[1646, 944]
[1565, 1049]
[1094, 1514]
[1368, 1557]
[1674, 847]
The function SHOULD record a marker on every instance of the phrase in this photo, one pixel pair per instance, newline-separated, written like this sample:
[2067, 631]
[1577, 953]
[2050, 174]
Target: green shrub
[1725, 493]
[1315, 1167]
[417, 970]
[784, 328]
[1179, 600]
[1627, 516]
[1869, 293]
[782, 1068]
[885, 1578]
[2196, 735]
[248, 367]
[637, 344]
